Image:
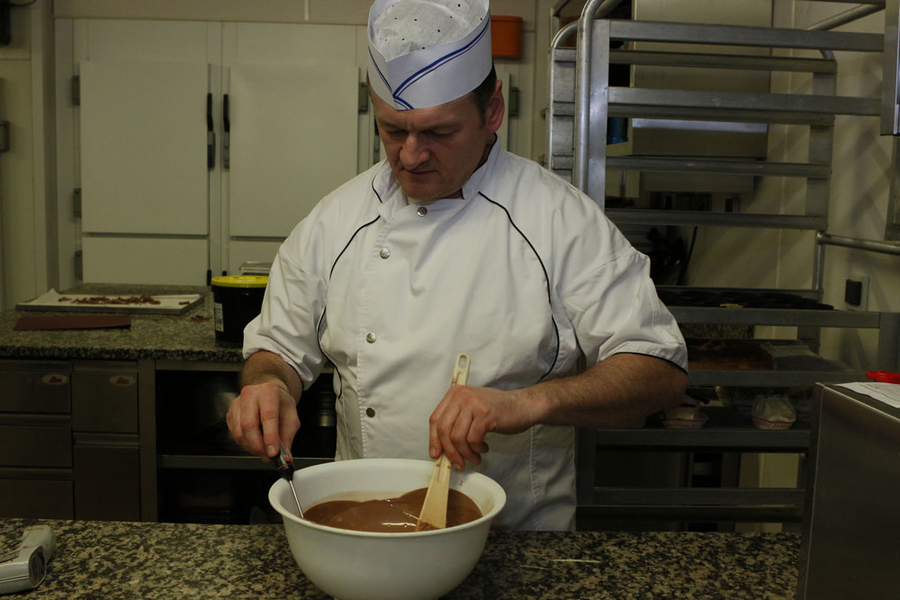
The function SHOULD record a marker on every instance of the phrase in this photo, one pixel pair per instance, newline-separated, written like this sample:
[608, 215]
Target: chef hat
[427, 52]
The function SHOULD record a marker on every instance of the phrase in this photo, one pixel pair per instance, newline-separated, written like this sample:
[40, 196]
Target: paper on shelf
[889, 393]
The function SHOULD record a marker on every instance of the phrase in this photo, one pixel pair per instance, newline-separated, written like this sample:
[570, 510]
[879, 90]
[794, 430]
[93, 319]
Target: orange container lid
[506, 36]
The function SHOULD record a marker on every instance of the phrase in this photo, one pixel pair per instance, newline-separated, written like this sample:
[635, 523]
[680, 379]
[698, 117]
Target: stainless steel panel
[849, 547]
[892, 222]
[890, 94]
[35, 441]
[107, 478]
[35, 387]
[104, 399]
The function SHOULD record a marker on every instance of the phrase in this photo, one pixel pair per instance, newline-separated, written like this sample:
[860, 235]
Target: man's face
[433, 151]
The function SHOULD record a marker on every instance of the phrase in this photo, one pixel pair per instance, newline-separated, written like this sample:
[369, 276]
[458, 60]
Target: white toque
[428, 52]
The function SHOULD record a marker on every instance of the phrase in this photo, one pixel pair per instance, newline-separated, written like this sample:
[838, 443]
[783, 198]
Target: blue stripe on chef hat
[440, 62]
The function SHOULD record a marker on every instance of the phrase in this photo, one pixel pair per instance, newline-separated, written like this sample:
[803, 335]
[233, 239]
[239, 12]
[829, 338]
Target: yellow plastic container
[237, 299]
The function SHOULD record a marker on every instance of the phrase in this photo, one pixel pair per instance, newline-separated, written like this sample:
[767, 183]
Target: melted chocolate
[390, 515]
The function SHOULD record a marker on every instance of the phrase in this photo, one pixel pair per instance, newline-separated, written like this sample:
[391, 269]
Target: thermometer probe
[284, 462]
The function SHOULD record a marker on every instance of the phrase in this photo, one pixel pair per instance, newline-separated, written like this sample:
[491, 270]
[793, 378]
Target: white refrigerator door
[291, 144]
[143, 147]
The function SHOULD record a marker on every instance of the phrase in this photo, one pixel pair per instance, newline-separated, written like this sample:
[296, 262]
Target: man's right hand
[262, 416]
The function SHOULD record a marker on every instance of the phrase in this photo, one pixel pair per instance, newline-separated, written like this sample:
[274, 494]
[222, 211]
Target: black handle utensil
[284, 462]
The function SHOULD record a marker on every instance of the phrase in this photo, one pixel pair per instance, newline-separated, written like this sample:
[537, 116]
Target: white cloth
[525, 274]
[428, 52]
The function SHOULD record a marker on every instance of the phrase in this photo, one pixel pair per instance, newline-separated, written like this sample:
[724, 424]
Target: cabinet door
[35, 387]
[36, 494]
[293, 140]
[144, 147]
[105, 398]
[107, 477]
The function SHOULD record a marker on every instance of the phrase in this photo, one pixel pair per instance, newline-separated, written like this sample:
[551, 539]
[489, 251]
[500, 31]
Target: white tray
[159, 304]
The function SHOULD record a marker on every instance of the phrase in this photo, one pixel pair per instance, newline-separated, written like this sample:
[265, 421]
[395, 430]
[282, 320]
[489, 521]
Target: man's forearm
[616, 392]
[264, 367]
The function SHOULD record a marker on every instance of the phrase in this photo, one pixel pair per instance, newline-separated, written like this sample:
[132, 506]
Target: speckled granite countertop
[164, 560]
[189, 336]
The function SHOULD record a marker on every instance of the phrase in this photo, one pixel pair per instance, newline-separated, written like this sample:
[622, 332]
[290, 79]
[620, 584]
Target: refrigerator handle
[210, 135]
[226, 135]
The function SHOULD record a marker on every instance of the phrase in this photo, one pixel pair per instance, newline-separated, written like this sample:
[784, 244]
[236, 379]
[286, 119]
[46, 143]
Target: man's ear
[493, 117]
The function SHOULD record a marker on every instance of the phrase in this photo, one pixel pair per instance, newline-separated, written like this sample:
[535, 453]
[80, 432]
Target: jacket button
[370, 337]
[370, 412]
[385, 253]
[422, 211]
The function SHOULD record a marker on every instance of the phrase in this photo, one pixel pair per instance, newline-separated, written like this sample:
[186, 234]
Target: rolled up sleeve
[287, 324]
[615, 309]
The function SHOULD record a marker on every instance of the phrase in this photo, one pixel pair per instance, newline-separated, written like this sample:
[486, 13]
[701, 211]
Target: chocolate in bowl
[395, 515]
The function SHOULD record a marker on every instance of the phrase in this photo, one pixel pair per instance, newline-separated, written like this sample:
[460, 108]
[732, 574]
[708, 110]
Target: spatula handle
[461, 371]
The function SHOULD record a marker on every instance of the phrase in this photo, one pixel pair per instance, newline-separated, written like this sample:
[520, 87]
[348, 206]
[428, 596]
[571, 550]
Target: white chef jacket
[524, 273]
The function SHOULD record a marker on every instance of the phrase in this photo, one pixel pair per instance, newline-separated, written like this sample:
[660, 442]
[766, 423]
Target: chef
[453, 245]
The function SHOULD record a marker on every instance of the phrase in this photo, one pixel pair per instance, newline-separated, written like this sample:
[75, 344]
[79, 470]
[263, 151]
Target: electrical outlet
[856, 292]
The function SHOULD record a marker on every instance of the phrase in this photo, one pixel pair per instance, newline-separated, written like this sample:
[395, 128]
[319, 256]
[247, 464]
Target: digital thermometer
[25, 567]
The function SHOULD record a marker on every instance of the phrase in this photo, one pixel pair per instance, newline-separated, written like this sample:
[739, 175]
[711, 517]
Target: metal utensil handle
[461, 370]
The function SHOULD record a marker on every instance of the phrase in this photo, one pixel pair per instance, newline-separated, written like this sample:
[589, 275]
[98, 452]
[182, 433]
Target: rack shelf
[726, 430]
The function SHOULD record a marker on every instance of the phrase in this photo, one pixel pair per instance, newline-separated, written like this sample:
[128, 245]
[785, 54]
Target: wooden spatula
[434, 508]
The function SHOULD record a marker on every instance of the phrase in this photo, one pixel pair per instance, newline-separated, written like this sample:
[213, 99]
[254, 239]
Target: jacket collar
[391, 197]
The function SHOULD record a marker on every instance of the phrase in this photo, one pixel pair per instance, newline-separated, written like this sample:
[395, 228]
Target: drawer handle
[55, 379]
[123, 380]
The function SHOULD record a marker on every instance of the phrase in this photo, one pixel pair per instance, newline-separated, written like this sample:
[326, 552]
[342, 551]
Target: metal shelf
[699, 496]
[742, 35]
[702, 165]
[566, 57]
[786, 379]
[775, 316]
[596, 515]
[736, 106]
[726, 430]
[637, 216]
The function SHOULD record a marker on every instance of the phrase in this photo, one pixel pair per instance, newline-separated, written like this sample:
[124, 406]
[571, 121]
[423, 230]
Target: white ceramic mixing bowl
[362, 565]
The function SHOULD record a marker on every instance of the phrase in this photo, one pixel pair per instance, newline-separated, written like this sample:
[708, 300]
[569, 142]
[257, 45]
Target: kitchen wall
[26, 173]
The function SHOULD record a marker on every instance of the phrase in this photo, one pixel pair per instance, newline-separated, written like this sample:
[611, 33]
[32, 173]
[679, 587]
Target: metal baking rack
[581, 100]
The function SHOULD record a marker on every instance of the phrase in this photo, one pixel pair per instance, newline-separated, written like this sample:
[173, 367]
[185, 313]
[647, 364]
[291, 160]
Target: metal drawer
[105, 398]
[36, 493]
[35, 441]
[35, 387]
[107, 477]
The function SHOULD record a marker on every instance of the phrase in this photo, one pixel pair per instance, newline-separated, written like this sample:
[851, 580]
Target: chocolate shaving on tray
[142, 299]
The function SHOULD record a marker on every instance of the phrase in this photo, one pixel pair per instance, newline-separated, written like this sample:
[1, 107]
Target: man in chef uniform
[453, 245]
